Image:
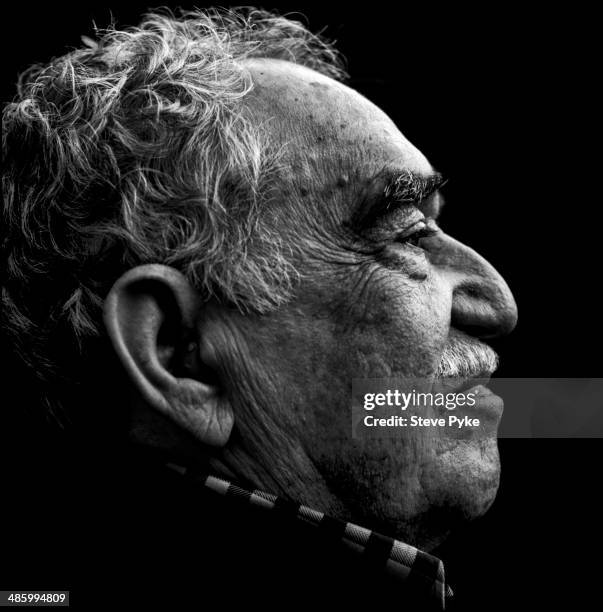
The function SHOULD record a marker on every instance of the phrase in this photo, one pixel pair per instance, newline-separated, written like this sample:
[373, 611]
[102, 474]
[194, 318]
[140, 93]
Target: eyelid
[401, 212]
[388, 226]
[418, 226]
[418, 231]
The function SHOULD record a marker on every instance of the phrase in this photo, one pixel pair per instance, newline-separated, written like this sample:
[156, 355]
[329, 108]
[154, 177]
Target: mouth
[478, 380]
[487, 406]
[461, 384]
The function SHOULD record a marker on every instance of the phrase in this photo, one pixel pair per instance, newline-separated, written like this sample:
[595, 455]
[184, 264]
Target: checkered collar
[419, 572]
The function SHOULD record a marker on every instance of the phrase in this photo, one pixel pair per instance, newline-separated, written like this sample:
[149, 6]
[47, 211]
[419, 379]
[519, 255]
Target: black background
[500, 101]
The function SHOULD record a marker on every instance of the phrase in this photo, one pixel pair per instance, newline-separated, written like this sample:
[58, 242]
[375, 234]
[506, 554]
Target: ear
[152, 318]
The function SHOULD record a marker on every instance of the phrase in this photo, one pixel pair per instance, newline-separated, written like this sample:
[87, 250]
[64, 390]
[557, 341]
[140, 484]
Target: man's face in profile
[383, 292]
[257, 235]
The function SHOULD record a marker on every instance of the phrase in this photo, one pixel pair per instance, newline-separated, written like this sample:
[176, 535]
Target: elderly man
[207, 236]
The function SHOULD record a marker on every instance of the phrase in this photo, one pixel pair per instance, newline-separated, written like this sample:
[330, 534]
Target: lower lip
[487, 404]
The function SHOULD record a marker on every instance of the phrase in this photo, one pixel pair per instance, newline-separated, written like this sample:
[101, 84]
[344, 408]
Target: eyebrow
[399, 189]
[410, 188]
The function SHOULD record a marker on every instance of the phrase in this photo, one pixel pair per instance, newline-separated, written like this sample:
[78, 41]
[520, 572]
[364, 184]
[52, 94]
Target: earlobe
[150, 315]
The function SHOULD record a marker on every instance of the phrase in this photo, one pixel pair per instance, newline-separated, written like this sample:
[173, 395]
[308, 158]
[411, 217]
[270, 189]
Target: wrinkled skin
[362, 309]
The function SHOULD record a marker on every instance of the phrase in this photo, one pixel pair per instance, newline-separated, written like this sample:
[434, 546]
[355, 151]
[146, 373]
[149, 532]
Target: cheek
[380, 326]
[394, 326]
[376, 324]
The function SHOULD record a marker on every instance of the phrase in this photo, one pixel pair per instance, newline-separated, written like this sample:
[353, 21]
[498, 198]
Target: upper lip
[482, 378]
[458, 384]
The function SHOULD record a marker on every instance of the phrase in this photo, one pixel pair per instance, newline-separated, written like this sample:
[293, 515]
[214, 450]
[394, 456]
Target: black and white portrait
[218, 223]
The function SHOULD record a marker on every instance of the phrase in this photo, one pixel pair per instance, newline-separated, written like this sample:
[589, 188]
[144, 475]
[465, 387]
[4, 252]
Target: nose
[482, 303]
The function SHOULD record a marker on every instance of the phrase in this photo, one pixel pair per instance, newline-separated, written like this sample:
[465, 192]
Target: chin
[464, 478]
[417, 496]
[459, 486]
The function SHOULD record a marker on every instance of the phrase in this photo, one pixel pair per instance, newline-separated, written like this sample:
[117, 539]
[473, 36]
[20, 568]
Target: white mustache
[464, 356]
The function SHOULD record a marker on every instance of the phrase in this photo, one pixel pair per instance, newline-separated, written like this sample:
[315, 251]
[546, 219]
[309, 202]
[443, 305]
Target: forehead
[314, 117]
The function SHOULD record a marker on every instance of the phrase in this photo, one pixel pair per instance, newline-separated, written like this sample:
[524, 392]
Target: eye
[422, 229]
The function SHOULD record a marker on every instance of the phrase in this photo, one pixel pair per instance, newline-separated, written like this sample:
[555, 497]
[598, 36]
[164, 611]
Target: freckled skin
[354, 315]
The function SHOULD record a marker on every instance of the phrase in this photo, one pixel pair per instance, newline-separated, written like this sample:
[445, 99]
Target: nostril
[483, 312]
[470, 291]
[473, 315]
[483, 332]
